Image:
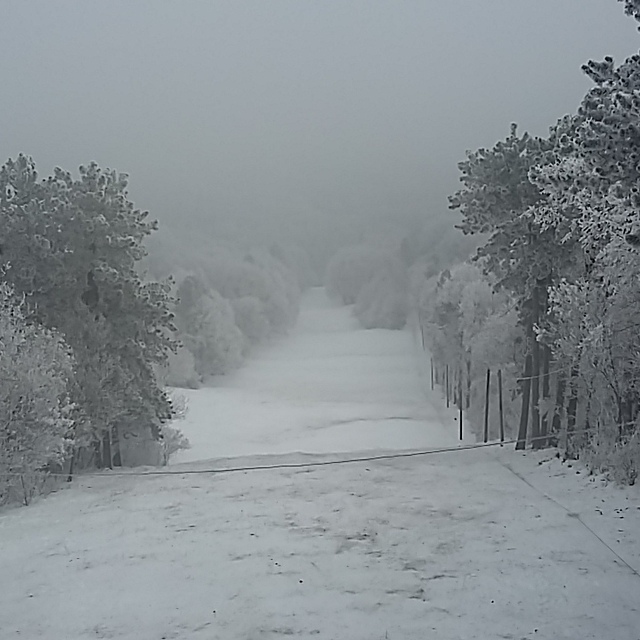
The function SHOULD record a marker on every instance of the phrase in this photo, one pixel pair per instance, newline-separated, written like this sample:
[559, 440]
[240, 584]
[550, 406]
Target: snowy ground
[444, 546]
[330, 387]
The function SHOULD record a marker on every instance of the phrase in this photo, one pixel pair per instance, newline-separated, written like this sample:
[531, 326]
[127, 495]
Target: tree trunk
[106, 450]
[524, 412]
[572, 410]
[72, 463]
[626, 417]
[535, 371]
[546, 394]
[98, 456]
[115, 447]
[556, 425]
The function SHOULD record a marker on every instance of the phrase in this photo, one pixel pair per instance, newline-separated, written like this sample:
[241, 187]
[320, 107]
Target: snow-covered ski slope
[450, 546]
[330, 387]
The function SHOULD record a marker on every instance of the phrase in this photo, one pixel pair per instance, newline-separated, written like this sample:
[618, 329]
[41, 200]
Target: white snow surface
[330, 387]
[477, 544]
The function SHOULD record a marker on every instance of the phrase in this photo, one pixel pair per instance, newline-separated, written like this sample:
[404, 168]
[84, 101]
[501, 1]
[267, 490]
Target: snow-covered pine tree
[36, 414]
[592, 191]
[632, 7]
[207, 328]
[72, 246]
[498, 198]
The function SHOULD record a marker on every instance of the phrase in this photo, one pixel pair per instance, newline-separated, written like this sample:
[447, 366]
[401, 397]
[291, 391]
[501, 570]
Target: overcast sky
[290, 110]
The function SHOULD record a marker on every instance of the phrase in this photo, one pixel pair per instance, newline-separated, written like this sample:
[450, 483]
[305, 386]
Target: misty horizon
[254, 116]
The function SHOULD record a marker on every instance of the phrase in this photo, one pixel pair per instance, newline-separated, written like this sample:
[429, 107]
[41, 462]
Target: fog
[268, 119]
[300, 410]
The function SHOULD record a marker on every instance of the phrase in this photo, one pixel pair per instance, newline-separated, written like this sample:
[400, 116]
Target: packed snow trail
[451, 547]
[330, 387]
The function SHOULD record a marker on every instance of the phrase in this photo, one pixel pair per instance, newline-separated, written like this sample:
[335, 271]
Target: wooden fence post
[500, 405]
[454, 388]
[446, 383]
[486, 407]
[526, 399]
[460, 402]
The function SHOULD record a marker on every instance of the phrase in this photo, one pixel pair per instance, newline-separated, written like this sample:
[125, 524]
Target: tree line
[559, 215]
[89, 341]
[82, 330]
[552, 294]
[228, 302]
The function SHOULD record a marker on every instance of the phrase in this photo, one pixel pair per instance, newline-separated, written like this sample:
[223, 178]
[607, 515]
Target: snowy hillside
[330, 387]
[446, 546]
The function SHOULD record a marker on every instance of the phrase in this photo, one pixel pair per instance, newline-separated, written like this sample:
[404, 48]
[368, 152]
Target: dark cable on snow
[373, 458]
[292, 465]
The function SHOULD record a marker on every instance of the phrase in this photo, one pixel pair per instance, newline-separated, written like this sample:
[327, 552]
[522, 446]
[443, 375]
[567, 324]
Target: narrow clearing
[443, 546]
[330, 387]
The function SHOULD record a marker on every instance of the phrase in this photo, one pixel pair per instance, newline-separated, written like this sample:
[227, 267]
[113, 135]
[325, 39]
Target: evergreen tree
[36, 413]
[207, 328]
[499, 198]
[632, 8]
[72, 247]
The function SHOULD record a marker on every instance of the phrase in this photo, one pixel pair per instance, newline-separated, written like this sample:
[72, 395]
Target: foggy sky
[288, 111]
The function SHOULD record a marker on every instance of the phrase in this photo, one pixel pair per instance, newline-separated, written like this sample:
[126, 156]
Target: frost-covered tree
[632, 7]
[282, 305]
[496, 199]
[470, 327]
[259, 276]
[180, 370]
[72, 245]
[592, 189]
[375, 280]
[593, 183]
[595, 335]
[207, 328]
[563, 225]
[500, 199]
[251, 318]
[173, 440]
[383, 302]
[36, 413]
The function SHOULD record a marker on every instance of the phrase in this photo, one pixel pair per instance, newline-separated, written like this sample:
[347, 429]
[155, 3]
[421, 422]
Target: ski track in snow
[449, 546]
[330, 387]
